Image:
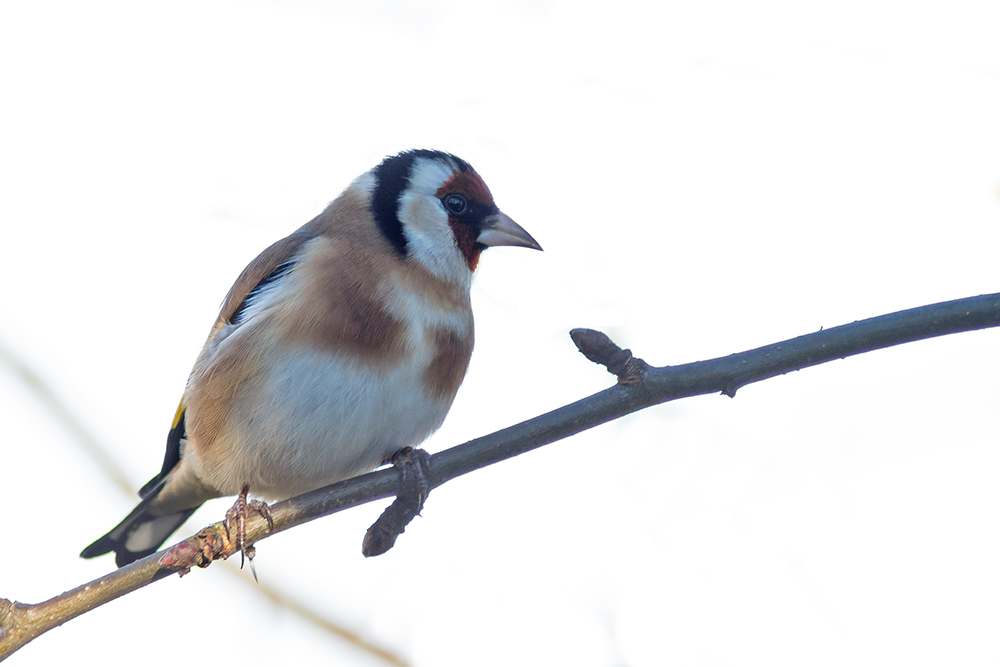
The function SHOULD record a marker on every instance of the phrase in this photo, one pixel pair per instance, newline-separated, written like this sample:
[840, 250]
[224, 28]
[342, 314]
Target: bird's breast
[311, 412]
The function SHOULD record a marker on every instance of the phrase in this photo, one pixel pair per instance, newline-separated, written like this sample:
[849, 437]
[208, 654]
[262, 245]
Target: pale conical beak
[499, 229]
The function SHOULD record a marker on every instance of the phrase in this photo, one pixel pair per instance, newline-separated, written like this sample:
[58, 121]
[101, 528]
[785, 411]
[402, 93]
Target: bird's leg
[238, 514]
[414, 467]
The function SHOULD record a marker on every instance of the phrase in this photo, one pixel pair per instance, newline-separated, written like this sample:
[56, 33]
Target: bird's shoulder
[338, 285]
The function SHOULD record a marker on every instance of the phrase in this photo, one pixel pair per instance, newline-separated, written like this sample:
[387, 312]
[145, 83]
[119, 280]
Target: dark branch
[600, 349]
[645, 386]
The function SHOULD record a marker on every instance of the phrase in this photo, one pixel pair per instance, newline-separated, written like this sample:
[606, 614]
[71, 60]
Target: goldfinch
[338, 346]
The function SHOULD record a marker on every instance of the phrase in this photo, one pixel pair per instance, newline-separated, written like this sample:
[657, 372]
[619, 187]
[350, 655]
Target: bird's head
[436, 210]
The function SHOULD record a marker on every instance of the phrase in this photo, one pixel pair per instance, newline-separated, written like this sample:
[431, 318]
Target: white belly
[328, 420]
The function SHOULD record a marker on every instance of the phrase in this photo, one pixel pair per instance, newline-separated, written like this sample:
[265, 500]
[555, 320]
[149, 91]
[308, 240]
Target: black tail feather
[141, 533]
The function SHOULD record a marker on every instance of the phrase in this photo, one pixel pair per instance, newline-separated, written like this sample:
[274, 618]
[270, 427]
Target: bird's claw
[237, 515]
[414, 485]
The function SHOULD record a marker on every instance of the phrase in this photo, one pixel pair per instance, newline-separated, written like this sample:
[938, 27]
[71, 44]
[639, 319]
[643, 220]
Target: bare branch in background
[92, 446]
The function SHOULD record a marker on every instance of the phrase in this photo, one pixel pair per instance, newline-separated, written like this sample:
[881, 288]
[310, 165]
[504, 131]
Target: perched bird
[338, 346]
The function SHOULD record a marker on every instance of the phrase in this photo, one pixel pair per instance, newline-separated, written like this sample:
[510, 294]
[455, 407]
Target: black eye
[455, 204]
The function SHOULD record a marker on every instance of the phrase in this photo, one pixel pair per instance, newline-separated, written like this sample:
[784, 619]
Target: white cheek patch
[430, 239]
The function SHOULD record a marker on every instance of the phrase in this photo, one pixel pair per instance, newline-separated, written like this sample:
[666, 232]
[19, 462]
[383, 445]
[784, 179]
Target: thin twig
[92, 446]
[20, 623]
[65, 418]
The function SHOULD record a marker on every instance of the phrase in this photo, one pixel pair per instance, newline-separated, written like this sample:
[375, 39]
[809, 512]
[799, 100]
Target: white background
[705, 178]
